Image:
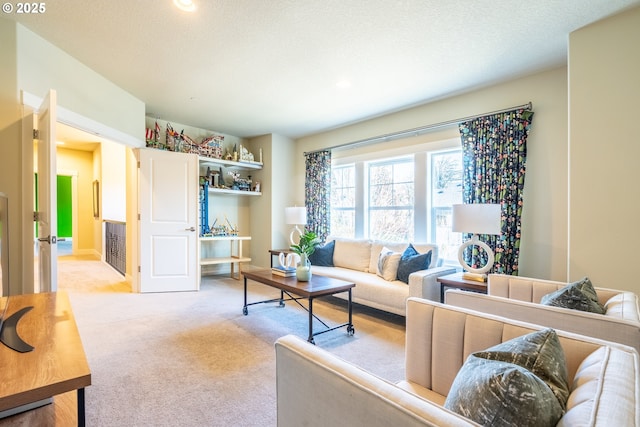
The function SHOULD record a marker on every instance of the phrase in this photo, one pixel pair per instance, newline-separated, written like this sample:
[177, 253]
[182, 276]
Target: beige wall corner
[604, 197]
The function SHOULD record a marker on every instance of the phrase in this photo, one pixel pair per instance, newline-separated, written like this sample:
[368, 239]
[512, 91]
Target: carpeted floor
[193, 358]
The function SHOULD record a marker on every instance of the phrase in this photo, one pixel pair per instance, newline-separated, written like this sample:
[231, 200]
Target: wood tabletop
[56, 365]
[458, 281]
[316, 286]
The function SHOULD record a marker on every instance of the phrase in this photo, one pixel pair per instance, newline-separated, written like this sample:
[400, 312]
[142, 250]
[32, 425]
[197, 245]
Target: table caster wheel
[351, 330]
[245, 310]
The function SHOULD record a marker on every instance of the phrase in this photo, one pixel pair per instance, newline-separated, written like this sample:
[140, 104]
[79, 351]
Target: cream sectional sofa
[316, 388]
[356, 260]
[519, 298]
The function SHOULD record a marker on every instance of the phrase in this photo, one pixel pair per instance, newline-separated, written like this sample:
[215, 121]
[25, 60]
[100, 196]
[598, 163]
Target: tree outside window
[446, 190]
[391, 200]
[343, 201]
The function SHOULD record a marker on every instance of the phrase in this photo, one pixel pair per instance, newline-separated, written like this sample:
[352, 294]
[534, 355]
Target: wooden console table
[55, 366]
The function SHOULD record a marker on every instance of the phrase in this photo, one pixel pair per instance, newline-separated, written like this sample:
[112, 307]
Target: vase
[303, 270]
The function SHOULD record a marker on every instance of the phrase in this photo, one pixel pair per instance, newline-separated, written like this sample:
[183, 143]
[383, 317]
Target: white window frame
[422, 180]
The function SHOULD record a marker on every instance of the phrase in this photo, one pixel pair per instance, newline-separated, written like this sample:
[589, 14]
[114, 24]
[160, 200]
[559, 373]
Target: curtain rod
[419, 130]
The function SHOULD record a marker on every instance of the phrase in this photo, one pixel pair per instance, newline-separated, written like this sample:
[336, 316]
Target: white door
[47, 196]
[168, 201]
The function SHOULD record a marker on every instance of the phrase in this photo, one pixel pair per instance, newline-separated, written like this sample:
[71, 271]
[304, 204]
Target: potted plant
[305, 247]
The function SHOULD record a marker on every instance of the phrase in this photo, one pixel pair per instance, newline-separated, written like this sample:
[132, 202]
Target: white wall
[604, 104]
[11, 153]
[43, 66]
[544, 223]
[113, 182]
[268, 229]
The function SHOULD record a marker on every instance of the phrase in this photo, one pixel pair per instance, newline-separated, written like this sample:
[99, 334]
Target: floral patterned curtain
[494, 150]
[317, 192]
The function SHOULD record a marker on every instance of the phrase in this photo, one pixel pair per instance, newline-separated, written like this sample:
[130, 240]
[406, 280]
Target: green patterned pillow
[520, 382]
[579, 295]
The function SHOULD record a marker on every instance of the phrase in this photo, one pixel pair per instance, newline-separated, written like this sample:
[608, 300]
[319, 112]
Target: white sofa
[519, 298]
[356, 260]
[316, 388]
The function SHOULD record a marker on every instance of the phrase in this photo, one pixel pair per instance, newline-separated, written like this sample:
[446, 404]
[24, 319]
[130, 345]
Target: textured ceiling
[251, 67]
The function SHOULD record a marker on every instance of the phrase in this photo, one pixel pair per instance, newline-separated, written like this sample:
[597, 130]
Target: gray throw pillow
[412, 261]
[323, 255]
[579, 295]
[494, 393]
[495, 388]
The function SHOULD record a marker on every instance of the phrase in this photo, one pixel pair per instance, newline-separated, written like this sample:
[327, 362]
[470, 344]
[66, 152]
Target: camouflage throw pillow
[579, 295]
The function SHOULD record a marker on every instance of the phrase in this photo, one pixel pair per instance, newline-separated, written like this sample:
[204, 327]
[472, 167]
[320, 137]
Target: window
[343, 201]
[446, 190]
[391, 200]
[402, 195]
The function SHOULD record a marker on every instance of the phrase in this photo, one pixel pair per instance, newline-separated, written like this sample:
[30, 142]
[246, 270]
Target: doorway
[64, 208]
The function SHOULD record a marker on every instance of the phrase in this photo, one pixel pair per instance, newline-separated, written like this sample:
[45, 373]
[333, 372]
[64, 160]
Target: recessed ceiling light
[186, 5]
[343, 84]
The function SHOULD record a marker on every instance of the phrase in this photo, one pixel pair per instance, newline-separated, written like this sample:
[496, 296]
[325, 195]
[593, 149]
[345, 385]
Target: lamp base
[474, 276]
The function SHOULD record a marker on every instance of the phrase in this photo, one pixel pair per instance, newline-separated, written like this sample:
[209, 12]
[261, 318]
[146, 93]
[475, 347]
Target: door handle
[49, 239]
[190, 229]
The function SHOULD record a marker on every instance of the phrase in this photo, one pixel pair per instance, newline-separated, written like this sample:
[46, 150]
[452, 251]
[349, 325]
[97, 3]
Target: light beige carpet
[193, 358]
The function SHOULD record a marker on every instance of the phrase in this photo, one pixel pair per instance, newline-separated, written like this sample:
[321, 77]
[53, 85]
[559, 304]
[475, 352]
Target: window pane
[391, 200]
[343, 223]
[391, 224]
[446, 190]
[343, 192]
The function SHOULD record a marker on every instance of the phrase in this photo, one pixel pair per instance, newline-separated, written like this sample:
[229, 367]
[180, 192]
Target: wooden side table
[457, 281]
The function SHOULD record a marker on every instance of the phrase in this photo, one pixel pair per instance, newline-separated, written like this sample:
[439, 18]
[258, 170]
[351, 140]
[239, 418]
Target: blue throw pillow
[412, 261]
[323, 255]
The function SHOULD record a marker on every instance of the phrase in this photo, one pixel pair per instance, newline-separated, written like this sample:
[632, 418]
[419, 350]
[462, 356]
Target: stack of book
[283, 271]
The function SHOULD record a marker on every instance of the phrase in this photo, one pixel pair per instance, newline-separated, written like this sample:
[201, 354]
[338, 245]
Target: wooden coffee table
[318, 286]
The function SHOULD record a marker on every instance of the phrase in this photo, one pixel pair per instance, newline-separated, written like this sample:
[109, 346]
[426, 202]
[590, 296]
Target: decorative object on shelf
[242, 184]
[212, 146]
[245, 155]
[189, 145]
[256, 187]
[476, 218]
[296, 215]
[305, 247]
[152, 137]
[224, 229]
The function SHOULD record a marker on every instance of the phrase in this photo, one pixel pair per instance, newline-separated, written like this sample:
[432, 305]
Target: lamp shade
[296, 215]
[476, 218]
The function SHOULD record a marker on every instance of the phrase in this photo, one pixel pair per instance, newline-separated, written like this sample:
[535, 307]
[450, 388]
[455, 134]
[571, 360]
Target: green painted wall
[64, 206]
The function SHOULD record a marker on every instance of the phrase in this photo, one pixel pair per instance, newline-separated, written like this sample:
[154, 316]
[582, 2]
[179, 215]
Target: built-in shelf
[235, 256]
[234, 192]
[208, 161]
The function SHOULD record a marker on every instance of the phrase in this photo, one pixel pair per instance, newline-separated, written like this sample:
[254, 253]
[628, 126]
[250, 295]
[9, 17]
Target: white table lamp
[296, 216]
[476, 219]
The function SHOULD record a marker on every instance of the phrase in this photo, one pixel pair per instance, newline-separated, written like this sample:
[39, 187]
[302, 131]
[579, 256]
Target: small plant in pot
[305, 247]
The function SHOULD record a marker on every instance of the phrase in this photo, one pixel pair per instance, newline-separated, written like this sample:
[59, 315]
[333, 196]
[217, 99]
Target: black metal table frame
[350, 329]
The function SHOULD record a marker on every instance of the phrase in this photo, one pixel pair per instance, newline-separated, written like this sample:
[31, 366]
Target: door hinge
[138, 165]
[36, 134]
[36, 216]
[138, 217]
[138, 269]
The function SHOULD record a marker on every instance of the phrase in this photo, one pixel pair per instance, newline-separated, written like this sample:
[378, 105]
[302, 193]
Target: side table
[456, 280]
